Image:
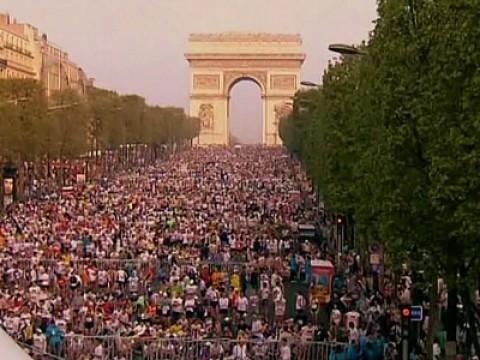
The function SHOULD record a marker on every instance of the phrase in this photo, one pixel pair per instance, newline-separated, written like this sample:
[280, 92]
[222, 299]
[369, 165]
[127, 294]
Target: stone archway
[219, 61]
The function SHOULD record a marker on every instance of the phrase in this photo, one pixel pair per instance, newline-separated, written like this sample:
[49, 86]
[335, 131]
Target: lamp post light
[344, 49]
[309, 84]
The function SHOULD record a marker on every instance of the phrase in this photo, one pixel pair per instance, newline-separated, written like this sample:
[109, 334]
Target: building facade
[16, 52]
[25, 53]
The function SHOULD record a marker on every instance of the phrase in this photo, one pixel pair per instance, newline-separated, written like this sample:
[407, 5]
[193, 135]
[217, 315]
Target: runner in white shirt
[190, 304]
[44, 280]
[300, 303]
[133, 284]
[285, 351]
[240, 352]
[177, 306]
[256, 325]
[280, 308]
[223, 304]
[39, 342]
[103, 278]
[353, 333]
[336, 316]
[98, 352]
[121, 277]
[242, 304]
[277, 293]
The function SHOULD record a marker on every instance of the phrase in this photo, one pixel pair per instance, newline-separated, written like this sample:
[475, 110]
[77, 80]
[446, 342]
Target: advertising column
[8, 184]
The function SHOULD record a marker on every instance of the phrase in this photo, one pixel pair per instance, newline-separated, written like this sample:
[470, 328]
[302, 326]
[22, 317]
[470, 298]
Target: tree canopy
[391, 137]
[67, 126]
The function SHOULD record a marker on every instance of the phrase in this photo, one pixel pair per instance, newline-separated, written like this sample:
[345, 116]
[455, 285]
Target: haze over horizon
[138, 46]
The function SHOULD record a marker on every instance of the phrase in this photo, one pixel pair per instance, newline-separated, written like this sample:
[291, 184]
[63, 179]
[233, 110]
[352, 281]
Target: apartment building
[26, 53]
[16, 52]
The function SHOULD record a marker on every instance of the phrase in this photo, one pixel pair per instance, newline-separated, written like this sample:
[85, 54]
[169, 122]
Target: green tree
[392, 141]
[24, 110]
[70, 119]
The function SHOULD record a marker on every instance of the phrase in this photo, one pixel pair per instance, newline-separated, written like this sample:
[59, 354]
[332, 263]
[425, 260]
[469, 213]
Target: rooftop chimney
[4, 18]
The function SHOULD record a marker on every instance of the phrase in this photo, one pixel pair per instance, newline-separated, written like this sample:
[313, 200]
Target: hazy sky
[138, 46]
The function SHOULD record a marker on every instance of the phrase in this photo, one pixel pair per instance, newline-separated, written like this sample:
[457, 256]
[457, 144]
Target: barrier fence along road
[131, 348]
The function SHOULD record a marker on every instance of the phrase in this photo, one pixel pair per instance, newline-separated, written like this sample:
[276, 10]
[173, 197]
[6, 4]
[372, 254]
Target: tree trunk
[451, 322]
[472, 318]
[452, 312]
[433, 317]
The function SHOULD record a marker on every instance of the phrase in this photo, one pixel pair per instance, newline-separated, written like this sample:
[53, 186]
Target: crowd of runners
[165, 261]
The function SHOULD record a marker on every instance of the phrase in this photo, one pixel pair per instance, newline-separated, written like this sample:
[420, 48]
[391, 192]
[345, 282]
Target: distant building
[16, 51]
[58, 72]
[25, 53]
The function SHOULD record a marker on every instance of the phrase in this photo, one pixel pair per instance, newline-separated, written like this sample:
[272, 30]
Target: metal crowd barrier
[51, 264]
[35, 354]
[131, 348]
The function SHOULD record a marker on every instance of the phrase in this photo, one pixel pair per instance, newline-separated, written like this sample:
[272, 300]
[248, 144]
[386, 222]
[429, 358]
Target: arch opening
[245, 112]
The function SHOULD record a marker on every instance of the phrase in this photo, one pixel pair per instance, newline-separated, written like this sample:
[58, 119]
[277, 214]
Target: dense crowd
[202, 246]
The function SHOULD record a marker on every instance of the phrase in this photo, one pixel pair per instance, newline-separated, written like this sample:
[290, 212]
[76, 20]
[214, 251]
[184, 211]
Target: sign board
[7, 192]
[416, 313]
[322, 276]
[7, 186]
[306, 230]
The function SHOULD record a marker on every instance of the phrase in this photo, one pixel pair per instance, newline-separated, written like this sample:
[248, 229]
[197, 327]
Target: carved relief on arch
[229, 77]
[283, 82]
[206, 82]
[206, 115]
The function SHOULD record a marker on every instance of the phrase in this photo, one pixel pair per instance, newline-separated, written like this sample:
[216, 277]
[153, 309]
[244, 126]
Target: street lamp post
[346, 50]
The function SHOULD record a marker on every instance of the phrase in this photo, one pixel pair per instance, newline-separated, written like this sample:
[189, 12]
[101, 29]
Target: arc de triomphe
[219, 61]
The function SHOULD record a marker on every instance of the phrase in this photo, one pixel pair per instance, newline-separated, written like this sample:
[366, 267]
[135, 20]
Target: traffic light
[406, 315]
[406, 312]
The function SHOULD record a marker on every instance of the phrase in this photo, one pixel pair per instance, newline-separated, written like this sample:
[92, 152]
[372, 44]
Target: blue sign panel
[416, 313]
